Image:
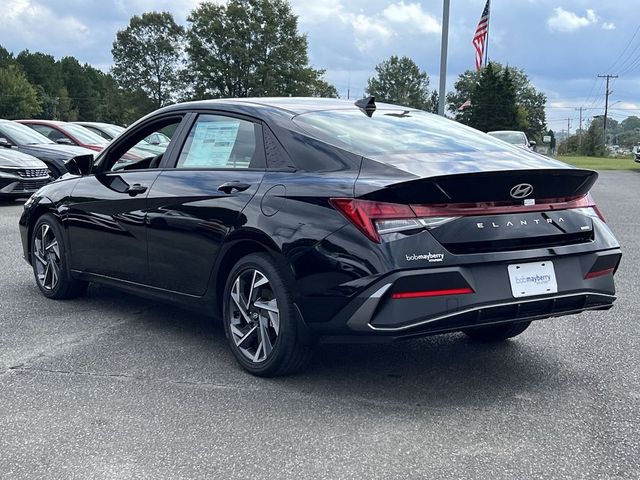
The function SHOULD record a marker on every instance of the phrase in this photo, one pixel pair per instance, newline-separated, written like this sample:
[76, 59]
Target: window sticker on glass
[212, 143]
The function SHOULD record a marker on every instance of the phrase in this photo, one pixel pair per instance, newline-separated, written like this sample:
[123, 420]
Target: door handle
[229, 187]
[136, 189]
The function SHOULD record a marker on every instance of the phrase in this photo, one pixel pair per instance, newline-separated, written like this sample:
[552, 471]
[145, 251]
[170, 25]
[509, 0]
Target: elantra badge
[522, 190]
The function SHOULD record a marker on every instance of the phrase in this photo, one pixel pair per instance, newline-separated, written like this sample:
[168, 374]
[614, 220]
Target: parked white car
[514, 137]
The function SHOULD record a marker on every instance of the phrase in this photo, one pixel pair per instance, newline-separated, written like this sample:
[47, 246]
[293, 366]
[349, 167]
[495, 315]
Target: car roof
[57, 123]
[96, 124]
[290, 105]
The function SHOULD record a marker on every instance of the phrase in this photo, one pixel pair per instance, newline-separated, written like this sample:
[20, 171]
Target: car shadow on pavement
[431, 371]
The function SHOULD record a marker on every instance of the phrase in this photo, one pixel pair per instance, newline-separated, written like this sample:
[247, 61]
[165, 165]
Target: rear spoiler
[474, 187]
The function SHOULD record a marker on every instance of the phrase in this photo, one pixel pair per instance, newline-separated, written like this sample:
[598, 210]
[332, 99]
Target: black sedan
[21, 175]
[305, 220]
[23, 139]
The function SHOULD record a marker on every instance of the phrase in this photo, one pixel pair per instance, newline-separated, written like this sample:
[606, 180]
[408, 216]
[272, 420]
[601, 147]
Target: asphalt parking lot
[112, 386]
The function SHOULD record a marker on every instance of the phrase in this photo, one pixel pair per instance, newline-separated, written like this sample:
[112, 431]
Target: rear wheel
[48, 257]
[260, 319]
[496, 333]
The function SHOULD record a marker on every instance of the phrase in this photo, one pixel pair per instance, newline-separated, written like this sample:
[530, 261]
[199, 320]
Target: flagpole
[486, 45]
[442, 92]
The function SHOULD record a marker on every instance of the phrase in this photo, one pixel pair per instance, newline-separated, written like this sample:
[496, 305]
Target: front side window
[137, 154]
[220, 142]
[50, 133]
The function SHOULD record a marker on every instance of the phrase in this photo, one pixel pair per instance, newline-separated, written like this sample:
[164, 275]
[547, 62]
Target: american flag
[480, 37]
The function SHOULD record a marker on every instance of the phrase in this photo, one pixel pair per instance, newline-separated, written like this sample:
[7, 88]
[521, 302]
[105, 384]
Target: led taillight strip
[496, 208]
[432, 293]
[598, 273]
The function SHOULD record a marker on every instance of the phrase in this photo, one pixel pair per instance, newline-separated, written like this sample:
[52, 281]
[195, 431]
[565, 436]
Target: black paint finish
[172, 234]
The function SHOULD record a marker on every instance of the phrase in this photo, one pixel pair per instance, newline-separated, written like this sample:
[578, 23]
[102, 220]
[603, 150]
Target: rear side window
[50, 133]
[221, 142]
[390, 132]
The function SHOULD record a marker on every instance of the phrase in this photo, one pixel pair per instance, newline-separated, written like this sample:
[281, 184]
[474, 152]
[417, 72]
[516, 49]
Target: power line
[625, 49]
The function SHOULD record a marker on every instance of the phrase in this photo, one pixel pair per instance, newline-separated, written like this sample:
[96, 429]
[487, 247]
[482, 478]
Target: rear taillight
[376, 218]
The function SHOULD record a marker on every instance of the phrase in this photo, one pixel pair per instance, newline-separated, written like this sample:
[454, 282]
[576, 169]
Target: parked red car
[67, 133]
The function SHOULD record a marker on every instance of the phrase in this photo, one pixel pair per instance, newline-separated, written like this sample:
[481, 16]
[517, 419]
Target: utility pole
[580, 136]
[607, 92]
[443, 57]
[568, 127]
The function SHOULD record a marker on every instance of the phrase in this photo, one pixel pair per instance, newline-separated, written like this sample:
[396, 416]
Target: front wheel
[497, 333]
[48, 258]
[260, 319]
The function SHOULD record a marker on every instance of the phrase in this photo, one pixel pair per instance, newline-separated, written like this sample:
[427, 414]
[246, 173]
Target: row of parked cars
[33, 152]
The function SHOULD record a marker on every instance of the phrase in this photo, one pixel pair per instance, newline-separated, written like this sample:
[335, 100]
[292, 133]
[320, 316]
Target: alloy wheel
[46, 253]
[254, 316]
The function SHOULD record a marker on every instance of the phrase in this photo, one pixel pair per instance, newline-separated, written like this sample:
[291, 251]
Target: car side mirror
[4, 142]
[64, 141]
[80, 165]
[532, 143]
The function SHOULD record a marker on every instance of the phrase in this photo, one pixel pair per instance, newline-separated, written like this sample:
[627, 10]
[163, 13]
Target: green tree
[321, 88]
[399, 80]
[630, 123]
[6, 58]
[18, 98]
[530, 101]
[41, 69]
[249, 48]
[552, 144]
[147, 55]
[493, 102]
[593, 140]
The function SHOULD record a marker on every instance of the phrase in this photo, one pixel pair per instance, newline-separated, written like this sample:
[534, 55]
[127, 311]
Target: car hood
[55, 150]
[13, 158]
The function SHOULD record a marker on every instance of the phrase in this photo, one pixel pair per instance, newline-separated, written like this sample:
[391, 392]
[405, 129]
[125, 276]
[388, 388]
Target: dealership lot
[112, 386]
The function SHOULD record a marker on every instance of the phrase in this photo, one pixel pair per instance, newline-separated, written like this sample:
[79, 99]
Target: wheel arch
[44, 206]
[239, 244]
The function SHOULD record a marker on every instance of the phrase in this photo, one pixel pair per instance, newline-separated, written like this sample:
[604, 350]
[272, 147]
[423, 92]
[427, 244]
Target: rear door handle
[136, 189]
[229, 187]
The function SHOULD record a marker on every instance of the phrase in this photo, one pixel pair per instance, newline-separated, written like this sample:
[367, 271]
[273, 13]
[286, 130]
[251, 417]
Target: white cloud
[608, 26]
[565, 21]
[369, 31]
[318, 10]
[369, 28]
[31, 21]
[412, 15]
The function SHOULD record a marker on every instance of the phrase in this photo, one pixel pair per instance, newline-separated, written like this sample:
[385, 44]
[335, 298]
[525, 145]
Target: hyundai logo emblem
[522, 190]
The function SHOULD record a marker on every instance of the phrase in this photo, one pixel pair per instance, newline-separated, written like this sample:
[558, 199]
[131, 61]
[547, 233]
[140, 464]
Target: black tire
[287, 353]
[56, 259]
[497, 333]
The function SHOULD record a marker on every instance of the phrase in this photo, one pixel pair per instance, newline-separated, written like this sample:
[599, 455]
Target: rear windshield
[390, 132]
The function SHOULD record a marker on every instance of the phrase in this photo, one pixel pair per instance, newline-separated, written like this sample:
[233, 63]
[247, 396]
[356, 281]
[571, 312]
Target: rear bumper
[374, 312]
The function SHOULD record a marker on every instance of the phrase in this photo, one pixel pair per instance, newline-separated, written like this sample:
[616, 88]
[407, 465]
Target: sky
[561, 44]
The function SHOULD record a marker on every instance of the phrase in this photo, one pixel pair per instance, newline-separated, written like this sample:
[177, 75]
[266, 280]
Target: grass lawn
[597, 163]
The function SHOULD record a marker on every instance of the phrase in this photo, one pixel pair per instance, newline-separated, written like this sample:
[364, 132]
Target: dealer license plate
[529, 279]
